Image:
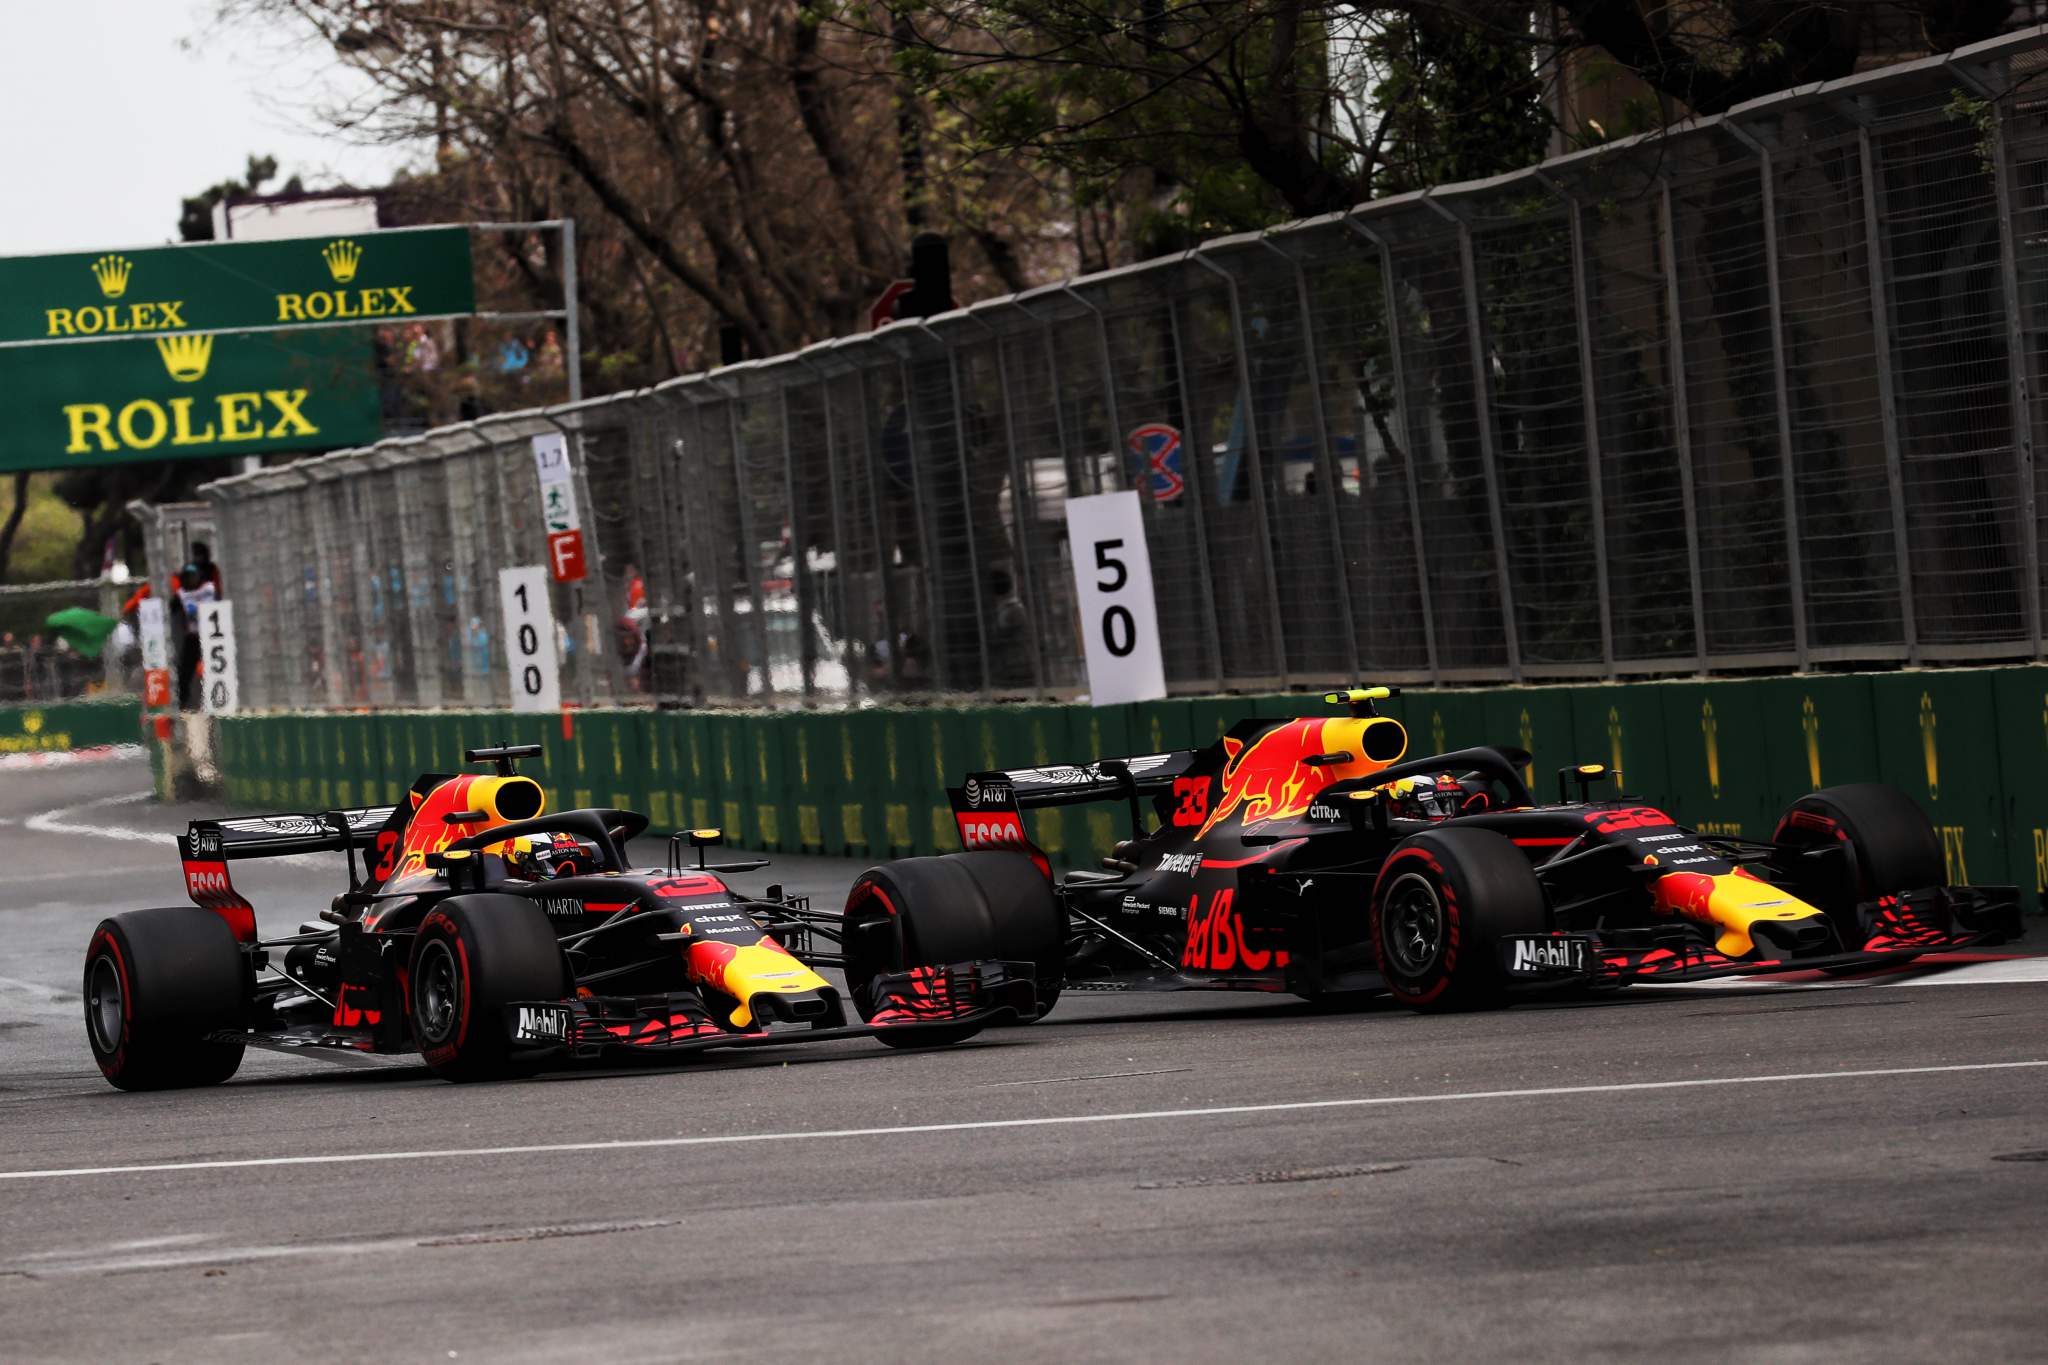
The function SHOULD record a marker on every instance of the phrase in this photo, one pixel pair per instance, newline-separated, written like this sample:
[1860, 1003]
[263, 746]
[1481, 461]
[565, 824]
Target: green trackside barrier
[770, 789]
[812, 751]
[1727, 755]
[65, 726]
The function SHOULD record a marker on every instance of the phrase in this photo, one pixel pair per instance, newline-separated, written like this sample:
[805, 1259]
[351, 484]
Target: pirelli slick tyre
[473, 956]
[157, 984]
[1889, 842]
[958, 907]
[1440, 906]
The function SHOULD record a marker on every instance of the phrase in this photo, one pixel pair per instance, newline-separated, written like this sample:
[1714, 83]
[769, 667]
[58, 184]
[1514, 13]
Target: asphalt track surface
[1856, 1173]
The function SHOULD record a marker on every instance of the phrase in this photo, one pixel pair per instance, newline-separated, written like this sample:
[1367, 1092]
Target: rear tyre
[959, 907]
[157, 984]
[1889, 845]
[474, 956]
[1440, 906]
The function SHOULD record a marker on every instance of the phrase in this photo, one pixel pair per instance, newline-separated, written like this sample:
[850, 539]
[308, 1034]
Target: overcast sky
[114, 110]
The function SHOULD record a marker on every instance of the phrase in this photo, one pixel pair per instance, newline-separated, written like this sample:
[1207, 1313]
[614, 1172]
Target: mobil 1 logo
[1113, 585]
[530, 639]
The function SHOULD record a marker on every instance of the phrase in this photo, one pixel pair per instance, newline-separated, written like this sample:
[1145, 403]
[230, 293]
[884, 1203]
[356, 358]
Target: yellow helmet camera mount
[1360, 699]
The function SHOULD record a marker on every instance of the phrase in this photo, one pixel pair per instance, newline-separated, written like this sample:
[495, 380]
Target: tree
[749, 158]
[1206, 116]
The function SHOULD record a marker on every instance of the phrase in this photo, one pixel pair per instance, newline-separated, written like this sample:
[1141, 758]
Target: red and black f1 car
[1312, 856]
[491, 937]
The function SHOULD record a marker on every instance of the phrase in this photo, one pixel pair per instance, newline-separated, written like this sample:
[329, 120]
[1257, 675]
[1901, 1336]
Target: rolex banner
[169, 397]
[396, 275]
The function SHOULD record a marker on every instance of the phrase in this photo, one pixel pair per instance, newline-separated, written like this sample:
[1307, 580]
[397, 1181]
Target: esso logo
[992, 831]
[205, 881]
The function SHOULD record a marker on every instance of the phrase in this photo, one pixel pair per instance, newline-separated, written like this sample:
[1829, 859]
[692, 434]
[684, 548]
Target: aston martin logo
[1928, 747]
[1809, 724]
[111, 273]
[1711, 730]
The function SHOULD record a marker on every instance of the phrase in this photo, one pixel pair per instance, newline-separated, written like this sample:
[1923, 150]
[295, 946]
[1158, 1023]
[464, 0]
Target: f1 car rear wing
[1108, 779]
[208, 846]
[280, 836]
[988, 807]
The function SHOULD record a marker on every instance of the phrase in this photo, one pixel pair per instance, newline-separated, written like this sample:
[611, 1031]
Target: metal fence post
[1681, 417]
[1482, 401]
[1326, 458]
[1407, 456]
[2016, 351]
[1787, 478]
[1879, 274]
[799, 555]
[1068, 456]
[975, 581]
[1253, 457]
[920, 512]
[1023, 494]
[750, 541]
[840, 558]
[1116, 426]
[1589, 388]
[1193, 464]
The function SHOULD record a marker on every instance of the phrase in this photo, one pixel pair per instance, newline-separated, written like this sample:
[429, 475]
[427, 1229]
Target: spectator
[202, 559]
[195, 589]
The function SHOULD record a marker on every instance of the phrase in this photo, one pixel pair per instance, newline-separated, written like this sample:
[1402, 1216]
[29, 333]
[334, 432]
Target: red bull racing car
[491, 937]
[1314, 856]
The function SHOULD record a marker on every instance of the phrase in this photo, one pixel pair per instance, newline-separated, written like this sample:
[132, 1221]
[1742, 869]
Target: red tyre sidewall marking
[112, 1065]
[1450, 904]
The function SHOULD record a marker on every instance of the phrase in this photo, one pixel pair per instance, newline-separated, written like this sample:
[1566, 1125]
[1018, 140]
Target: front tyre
[1440, 906]
[959, 907]
[472, 957]
[158, 985]
[1888, 844]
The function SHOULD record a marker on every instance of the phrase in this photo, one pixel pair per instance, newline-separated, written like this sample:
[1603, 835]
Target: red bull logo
[1270, 778]
[742, 970]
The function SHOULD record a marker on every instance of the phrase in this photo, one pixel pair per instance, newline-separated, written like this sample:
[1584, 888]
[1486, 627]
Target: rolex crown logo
[185, 357]
[112, 273]
[342, 258]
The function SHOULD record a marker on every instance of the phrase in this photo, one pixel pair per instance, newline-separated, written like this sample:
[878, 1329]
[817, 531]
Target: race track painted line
[65, 758]
[991, 1125]
[1999, 972]
[59, 822]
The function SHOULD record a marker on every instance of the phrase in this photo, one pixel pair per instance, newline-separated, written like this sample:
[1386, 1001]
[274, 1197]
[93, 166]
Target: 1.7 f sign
[558, 507]
[1113, 583]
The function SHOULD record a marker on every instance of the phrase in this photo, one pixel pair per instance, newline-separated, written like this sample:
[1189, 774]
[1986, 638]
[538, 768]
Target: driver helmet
[1434, 797]
[543, 857]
